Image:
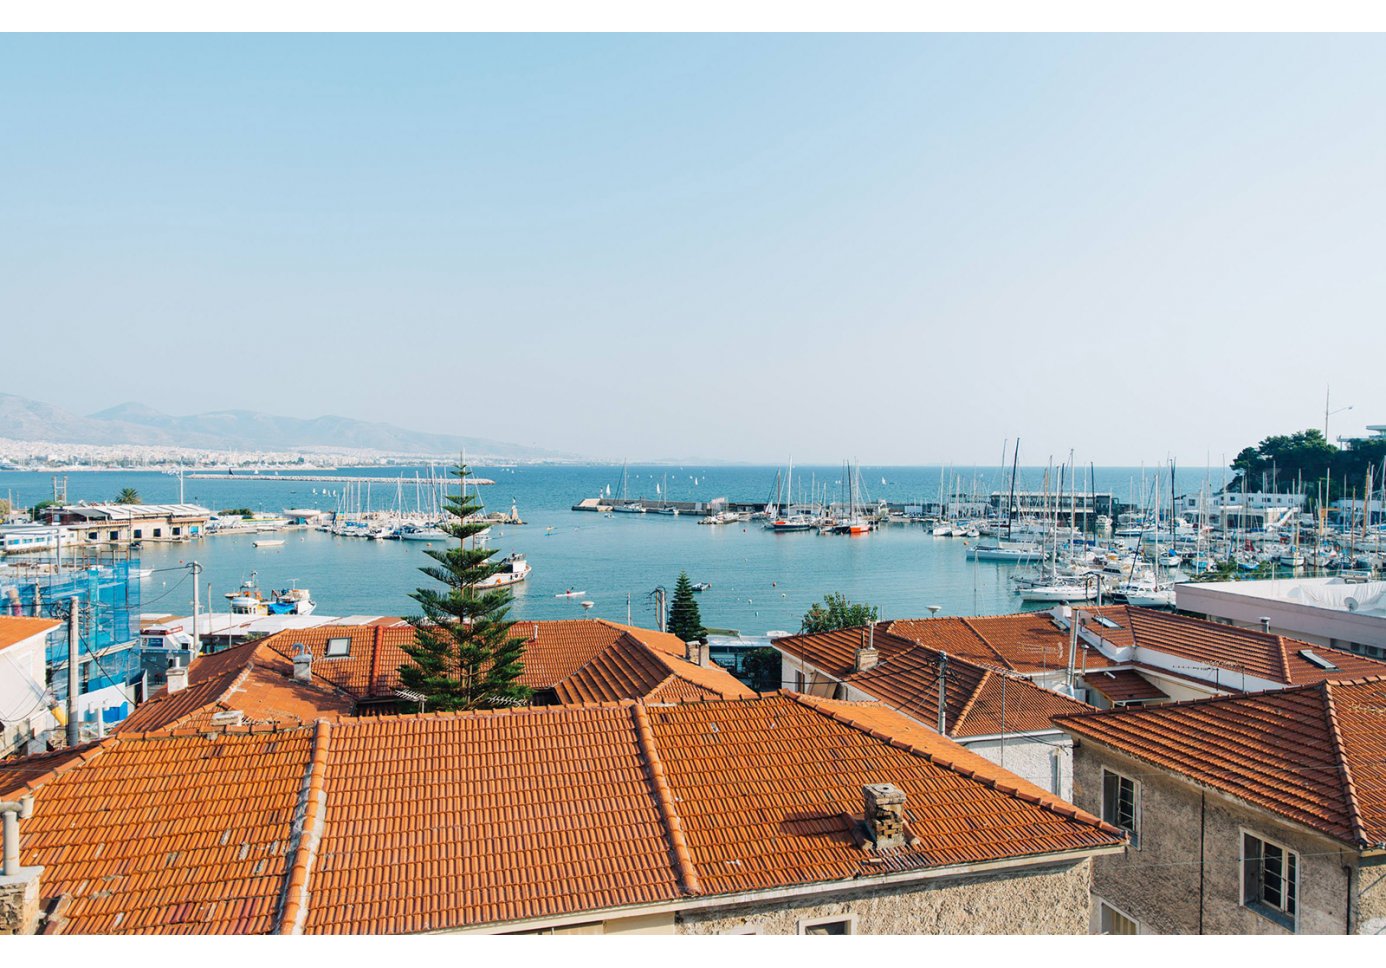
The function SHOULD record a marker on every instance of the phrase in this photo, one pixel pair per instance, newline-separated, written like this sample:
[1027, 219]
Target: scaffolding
[107, 589]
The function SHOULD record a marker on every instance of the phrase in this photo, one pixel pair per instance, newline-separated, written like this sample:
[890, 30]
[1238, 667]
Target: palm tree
[128, 495]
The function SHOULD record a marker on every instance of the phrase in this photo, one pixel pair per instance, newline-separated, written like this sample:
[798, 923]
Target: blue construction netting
[107, 589]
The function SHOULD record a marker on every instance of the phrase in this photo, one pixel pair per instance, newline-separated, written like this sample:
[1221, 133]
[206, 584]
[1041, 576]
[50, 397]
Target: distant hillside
[134, 423]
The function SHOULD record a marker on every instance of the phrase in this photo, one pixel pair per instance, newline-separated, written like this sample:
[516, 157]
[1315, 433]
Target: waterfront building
[123, 524]
[28, 539]
[1248, 814]
[26, 705]
[779, 814]
[1235, 511]
[1324, 611]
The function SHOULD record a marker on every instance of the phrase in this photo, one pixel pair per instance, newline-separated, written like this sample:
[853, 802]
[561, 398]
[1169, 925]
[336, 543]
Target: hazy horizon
[905, 249]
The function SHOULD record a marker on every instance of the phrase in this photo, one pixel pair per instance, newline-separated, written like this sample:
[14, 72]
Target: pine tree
[464, 655]
[684, 620]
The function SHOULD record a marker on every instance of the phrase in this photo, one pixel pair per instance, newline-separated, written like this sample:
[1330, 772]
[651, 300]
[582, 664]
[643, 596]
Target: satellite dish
[1351, 603]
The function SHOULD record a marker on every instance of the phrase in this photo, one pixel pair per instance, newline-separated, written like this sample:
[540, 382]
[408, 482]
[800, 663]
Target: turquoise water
[760, 580]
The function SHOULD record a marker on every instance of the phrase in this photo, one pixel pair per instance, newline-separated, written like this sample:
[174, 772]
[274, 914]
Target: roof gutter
[859, 883]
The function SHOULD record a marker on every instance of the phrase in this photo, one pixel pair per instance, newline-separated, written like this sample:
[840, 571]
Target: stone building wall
[1185, 875]
[1046, 900]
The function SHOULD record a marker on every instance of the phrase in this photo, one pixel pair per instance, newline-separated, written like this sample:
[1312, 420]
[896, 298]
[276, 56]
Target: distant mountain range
[134, 423]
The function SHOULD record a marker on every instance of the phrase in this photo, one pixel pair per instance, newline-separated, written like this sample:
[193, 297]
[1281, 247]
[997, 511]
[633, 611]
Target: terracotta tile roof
[22, 773]
[413, 823]
[769, 791]
[980, 701]
[1124, 685]
[836, 652]
[254, 679]
[17, 628]
[629, 669]
[1027, 642]
[371, 666]
[209, 678]
[1271, 657]
[170, 835]
[1313, 754]
[481, 818]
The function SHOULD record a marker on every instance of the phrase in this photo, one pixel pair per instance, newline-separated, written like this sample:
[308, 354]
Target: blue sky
[903, 249]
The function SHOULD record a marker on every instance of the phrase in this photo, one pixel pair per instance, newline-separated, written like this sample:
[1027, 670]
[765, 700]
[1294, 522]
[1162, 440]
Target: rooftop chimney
[177, 678]
[19, 886]
[1265, 624]
[697, 652]
[885, 814]
[303, 666]
[867, 657]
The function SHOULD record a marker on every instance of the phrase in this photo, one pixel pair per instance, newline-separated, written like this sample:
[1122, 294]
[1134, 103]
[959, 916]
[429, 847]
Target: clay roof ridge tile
[994, 651]
[1345, 770]
[1284, 656]
[956, 724]
[311, 808]
[376, 642]
[664, 799]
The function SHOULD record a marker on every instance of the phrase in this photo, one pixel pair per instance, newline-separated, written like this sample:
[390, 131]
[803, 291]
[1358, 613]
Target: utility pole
[943, 693]
[73, 685]
[196, 635]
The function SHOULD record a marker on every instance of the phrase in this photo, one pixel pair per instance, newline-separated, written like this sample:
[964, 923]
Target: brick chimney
[867, 656]
[698, 653]
[303, 667]
[19, 886]
[177, 678]
[885, 814]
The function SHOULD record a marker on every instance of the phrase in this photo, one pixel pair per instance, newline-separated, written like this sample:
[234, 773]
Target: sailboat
[796, 520]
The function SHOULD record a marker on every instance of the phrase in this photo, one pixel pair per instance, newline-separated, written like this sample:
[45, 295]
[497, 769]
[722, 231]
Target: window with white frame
[1112, 921]
[337, 647]
[838, 924]
[1270, 879]
[1121, 804]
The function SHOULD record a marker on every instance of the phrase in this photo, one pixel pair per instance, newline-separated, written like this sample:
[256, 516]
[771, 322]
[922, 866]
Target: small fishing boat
[275, 543]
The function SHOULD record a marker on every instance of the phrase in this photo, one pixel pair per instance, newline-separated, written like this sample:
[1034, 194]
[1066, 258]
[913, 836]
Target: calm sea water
[760, 580]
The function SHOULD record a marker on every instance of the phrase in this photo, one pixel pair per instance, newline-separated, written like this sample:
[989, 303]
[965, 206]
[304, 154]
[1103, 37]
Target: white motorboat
[629, 508]
[277, 542]
[514, 569]
[414, 532]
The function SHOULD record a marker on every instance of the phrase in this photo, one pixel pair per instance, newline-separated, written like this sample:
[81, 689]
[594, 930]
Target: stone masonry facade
[1042, 900]
[1185, 875]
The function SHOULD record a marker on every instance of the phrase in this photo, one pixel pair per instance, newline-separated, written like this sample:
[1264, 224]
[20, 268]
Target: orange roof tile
[1026, 642]
[835, 652]
[979, 701]
[1313, 754]
[769, 792]
[17, 628]
[170, 835]
[416, 823]
[209, 677]
[1271, 657]
[1123, 685]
